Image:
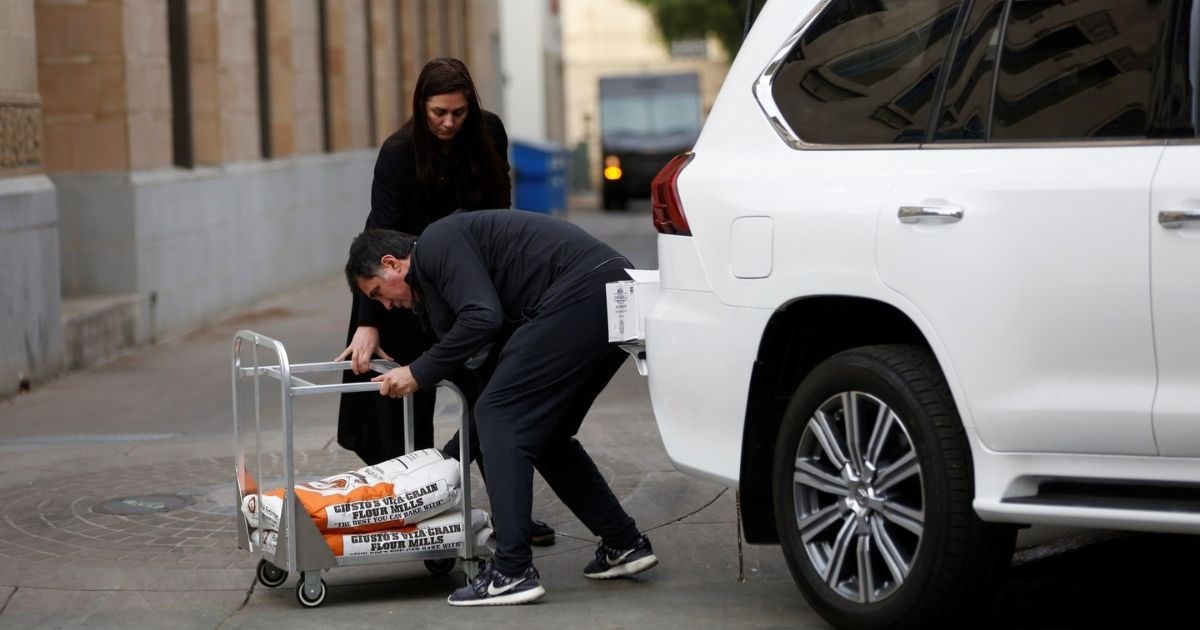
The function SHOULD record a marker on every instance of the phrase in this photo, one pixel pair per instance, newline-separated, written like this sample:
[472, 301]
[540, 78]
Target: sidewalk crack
[245, 601]
[9, 599]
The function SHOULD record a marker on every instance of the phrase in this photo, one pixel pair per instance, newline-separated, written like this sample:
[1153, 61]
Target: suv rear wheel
[873, 489]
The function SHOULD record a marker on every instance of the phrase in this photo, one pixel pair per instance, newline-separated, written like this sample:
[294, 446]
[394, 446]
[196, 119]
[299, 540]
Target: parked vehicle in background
[645, 120]
[930, 275]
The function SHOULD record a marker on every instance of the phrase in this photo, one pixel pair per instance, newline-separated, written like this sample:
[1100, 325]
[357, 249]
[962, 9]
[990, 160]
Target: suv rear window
[865, 71]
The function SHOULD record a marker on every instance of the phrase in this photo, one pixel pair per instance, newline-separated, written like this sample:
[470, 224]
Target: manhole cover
[144, 504]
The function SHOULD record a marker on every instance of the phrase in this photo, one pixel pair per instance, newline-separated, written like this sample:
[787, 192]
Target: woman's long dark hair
[473, 155]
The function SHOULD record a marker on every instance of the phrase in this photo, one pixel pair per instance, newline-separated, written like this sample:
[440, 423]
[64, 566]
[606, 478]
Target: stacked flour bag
[441, 532]
[394, 497]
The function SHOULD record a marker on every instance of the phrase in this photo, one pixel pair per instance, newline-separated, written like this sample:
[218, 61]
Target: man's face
[389, 288]
[446, 113]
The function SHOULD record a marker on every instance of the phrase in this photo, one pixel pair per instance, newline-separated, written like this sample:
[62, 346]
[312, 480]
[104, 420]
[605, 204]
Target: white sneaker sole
[523, 597]
[629, 568]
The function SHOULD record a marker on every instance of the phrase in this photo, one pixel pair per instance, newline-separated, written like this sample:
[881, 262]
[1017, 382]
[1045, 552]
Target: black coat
[369, 424]
[480, 275]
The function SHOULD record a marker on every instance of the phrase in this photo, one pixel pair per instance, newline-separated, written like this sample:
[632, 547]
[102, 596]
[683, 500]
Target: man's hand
[397, 382]
[363, 346]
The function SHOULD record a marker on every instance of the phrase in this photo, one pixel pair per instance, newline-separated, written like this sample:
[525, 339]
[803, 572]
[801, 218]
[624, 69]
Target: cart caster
[270, 575]
[310, 600]
[441, 566]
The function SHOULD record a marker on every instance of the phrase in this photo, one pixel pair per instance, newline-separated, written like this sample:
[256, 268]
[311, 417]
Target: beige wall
[432, 14]
[224, 75]
[147, 84]
[346, 58]
[456, 28]
[20, 103]
[616, 37]
[483, 51]
[105, 84]
[410, 26]
[80, 77]
[17, 47]
[295, 77]
[385, 90]
[102, 76]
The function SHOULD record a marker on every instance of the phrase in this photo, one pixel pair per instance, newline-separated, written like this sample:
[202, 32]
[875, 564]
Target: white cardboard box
[629, 301]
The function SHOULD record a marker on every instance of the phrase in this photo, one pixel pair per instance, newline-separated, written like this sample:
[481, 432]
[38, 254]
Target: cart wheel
[441, 566]
[270, 575]
[305, 600]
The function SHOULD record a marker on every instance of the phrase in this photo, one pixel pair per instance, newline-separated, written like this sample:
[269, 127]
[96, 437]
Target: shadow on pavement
[1131, 581]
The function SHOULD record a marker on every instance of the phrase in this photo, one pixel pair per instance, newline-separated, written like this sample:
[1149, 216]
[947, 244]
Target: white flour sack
[271, 508]
[266, 539]
[441, 532]
[388, 495]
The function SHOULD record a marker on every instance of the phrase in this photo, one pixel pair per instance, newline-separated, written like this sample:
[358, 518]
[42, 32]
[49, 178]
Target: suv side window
[865, 71]
[1070, 71]
[1179, 116]
[964, 111]
[1066, 71]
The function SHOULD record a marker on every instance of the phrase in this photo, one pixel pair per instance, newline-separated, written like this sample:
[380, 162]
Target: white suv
[933, 272]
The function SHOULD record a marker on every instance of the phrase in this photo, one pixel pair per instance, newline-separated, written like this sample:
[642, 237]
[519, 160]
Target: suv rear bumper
[700, 410]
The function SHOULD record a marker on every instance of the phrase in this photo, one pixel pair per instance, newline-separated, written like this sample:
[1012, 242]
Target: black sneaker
[493, 588]
[611, 563]
[541, 534]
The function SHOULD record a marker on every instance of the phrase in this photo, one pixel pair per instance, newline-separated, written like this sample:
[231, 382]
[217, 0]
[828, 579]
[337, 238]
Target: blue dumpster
[540, 171]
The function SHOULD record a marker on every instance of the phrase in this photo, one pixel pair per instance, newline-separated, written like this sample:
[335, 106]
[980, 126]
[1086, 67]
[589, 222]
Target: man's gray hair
[370, 247]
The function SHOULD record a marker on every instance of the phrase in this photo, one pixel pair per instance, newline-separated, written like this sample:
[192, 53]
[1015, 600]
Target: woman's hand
[363, 346]
[397, 382]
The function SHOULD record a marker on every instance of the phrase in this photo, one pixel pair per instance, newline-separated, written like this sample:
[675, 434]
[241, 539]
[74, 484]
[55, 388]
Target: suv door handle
[1175, 219]
[930, 214]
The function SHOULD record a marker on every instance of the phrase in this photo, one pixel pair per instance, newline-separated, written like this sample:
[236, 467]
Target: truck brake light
[664, 198]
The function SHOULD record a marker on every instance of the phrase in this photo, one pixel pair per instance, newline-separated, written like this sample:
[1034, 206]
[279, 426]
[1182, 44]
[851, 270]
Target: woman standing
[450, 155]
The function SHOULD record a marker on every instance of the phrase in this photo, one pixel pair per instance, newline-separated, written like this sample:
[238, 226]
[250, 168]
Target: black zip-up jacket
[479, 274]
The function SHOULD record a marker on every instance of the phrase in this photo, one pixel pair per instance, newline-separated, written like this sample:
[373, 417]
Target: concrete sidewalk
[153, 428]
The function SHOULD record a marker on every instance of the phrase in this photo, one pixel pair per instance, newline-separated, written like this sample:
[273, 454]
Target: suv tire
[885, 496]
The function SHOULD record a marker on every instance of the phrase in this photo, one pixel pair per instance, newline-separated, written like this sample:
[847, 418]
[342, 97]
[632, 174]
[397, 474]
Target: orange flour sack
[442, 532]
[388, 495]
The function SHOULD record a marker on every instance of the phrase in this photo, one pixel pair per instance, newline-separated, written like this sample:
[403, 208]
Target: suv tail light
[664, 198]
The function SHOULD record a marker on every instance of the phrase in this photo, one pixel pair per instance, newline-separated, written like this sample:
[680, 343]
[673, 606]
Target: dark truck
[645, 120]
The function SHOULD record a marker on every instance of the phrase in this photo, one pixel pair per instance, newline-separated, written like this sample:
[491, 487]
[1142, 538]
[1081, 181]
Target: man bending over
[532, 289]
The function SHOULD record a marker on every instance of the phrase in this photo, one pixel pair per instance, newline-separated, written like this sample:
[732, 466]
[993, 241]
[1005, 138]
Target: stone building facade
[164, 162]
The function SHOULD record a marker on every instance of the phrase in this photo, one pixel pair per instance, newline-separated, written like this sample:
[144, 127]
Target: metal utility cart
[299, 544]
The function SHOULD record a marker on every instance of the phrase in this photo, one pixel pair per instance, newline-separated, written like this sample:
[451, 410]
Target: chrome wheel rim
[860, 501]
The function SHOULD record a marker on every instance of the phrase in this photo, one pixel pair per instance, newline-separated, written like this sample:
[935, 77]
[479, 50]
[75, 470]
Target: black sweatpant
[547, 376]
